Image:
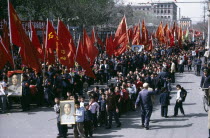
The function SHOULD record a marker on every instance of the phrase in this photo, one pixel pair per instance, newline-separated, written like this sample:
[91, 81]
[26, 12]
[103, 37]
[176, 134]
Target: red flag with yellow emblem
[51, 41]
[67, 48]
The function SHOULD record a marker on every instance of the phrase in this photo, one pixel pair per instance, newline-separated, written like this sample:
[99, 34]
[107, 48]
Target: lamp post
[208, 42]
[208, 50]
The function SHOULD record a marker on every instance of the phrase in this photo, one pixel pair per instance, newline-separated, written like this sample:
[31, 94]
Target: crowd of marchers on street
[139, 77]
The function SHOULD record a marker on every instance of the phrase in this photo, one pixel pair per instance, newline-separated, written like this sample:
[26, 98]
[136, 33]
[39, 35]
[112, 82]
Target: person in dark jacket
[145, 101]
[102, 112]
[88, 125]
[164, 102]
[198, 64]
[25, 100]
[205, 82]
[112, 108]
[48, 94]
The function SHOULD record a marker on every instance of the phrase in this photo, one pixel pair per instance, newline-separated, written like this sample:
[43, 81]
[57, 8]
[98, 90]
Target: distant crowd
[124, 76]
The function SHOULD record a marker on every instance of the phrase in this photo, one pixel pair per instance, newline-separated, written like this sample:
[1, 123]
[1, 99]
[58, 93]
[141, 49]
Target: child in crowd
[82, 101]
[62, 129]
[88, 121]
[94, 108]
[79, 125]
[103, 113]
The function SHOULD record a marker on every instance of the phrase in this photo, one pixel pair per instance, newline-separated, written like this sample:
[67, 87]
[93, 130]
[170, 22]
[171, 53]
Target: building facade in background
[185, 22]
[164, 11]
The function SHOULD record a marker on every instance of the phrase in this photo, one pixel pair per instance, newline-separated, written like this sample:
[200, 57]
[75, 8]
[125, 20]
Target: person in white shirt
[3, 94]
[79, 126]
[94, 109]
[178, 102]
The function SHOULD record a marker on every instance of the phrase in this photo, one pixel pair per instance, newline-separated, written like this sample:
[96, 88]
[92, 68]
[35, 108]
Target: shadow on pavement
[169, 127]
[185, 104]
[109, 136]
[197, 115]
[187, 82]
[166, 120]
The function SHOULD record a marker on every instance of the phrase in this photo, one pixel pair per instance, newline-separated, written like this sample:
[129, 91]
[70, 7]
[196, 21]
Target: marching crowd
[138, 76]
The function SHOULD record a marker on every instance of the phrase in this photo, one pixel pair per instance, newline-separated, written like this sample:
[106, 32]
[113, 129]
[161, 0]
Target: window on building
[169, 11]
[164, 11]
[161, 16]
[169, 5]
[148, 9]
[161, 6]
[143, 9]
[161, 11]
[154, 11]
[157, 6]
[169, 17]
[165, 16]
[157, 11]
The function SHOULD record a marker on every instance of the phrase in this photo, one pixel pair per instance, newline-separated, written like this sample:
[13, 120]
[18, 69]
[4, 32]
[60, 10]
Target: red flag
[82, 61]
[92, 51]
[144, 34]
[109, 46]
[67, 42]
[121, 37]
[36, 43]
[171, 37]
[51, 42]
[180, 37]
[122, 28]
[137, 38]
[20, 38]
[5, 37]
[130, 34]
[166, 30]
[160, 33]
[150, 46]
[121, 50]
[5, 55]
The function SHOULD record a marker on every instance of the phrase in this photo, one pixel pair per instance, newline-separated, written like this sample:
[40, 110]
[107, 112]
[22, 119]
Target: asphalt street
[41, 122]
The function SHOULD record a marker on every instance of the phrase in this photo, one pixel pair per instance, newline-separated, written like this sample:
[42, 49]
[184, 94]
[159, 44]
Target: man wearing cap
[145, 101]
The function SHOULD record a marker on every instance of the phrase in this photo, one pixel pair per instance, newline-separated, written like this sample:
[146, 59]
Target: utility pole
[204, 21]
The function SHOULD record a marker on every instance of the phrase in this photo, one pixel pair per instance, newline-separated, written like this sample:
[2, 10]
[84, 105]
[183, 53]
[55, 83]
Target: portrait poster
[67, 111]
[137, 48]
[14, 84]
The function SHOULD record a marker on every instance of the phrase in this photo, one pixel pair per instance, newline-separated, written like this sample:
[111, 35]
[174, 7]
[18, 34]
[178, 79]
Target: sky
[193, 10]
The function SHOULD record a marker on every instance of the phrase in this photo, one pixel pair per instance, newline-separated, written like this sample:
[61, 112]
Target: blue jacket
[144, 98]
[165, 99]
[205, 82]
[87, 115]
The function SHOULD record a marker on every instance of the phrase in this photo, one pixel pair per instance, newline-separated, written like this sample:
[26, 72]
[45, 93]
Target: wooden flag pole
[11, 45]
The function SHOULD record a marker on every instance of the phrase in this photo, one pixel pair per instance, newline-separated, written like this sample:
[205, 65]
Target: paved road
[36, 123]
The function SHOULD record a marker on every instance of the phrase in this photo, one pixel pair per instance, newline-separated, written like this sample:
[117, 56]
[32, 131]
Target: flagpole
[76, 51]
[45, 47]
[10, 34]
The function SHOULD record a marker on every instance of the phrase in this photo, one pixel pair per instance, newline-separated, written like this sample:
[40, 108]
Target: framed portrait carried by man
[14, 84]
[137, 48]
[67, 111]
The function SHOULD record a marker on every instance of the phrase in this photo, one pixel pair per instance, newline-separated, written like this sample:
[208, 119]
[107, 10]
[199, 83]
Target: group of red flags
[168, 35]
[62, 43]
